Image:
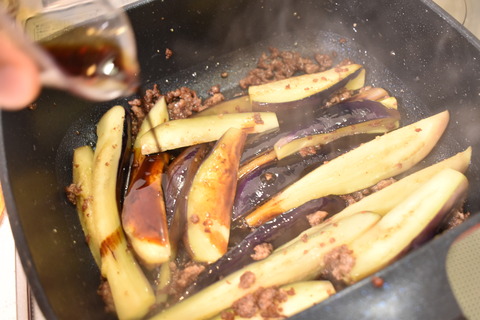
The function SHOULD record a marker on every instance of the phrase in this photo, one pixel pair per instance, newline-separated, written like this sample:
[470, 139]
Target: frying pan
[411, 47]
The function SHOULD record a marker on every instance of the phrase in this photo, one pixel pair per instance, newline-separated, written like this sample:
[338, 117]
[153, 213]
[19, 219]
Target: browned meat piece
[264, 301]
[246, 306]
[213, 100]
[339, 96]
[227, 315]
[338, 262]
[72, 191]
[182, 103]
[359, 195]
[106, 294]
[283, 64]
[457, 218]
[317, 217]
[168, 53]
[262, 251]
[324, 60]
[246, 280]
[182, 278]
[140, 107]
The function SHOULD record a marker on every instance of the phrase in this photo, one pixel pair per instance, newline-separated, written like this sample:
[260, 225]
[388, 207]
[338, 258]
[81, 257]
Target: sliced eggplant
[235, 105]
[131, 291]
[180, 176]
[307, 89]
[143, 214]
[82, 178]
[343, 119]
[299, 262]
[382, 201]
[408, 225]
[386, 199]
[381, 158]
[186, 132]
[156, 116]
[275, 232]
[210, 199]
[177, 175]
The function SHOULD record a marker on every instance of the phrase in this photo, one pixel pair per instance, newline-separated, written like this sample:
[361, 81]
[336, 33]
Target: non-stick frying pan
[411, 47]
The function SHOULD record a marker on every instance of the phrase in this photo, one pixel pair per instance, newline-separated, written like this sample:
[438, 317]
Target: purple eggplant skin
[259, 185]
[273, 232]
[322, 120]
[341, 115]
[177, 175]
[126, 160]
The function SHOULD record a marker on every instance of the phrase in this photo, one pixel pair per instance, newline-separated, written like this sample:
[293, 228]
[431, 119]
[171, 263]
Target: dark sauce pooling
[80, 52]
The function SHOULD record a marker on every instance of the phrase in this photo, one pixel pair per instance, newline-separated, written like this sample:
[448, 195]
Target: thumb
[19, 76]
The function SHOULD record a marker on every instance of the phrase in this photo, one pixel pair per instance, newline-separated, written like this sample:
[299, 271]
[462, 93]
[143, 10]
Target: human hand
[19, 76]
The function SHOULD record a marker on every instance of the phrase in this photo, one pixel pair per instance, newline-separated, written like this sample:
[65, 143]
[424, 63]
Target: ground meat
[351, 198]
[262, 251]
[339, 96]
[246, 280]
[457, 218]
[227, 315]
[317, 217]
[307, 151]
[140, 107]
[213, 100]
[106, 294]
[182, 278]
[181, 103]
[72, 191]
[264, 301]
[324, 60]
[280, 65]
[168, 53]
[377, 282]
[338, 262]
[246, 306]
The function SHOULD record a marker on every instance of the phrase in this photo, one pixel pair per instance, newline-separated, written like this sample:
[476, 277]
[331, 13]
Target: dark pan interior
[412, 48]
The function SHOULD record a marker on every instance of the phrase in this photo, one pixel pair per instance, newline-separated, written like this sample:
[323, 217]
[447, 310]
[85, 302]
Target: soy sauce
[80, 52]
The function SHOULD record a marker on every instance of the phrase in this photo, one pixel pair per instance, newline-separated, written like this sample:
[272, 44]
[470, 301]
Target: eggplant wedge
[180, 176]
[384, 157]
[82, 178]
[386, 199]
[131, 291]
[305, 90]
[186, 132]
[382, 201]
[411, 223]
[235, 105]
[298, 262]
[340, 120]
[210, 199]
[156, 116]
[143, 214]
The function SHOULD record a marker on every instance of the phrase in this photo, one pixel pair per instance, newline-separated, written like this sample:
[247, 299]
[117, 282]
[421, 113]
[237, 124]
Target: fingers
[19, 76]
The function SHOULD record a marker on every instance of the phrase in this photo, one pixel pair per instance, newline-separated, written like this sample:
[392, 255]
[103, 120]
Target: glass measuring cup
[86, 47]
